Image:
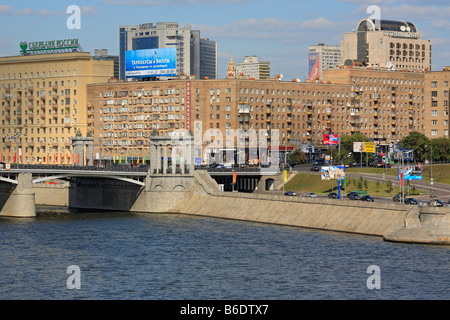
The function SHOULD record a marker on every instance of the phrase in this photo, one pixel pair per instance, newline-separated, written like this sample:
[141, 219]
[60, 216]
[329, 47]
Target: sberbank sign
[55, 45]
[398, 34]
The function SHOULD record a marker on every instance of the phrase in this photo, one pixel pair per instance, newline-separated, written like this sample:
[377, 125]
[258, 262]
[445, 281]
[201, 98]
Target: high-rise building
[437, 97]
[386, 44]
[252, 68]
[43, 103]
[194, 56]
[322, 57]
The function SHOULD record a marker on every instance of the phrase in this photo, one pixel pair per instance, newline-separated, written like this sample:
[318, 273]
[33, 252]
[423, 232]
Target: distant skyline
[275, 31]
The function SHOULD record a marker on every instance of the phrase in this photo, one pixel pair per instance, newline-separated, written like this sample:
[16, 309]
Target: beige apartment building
[384, 104]
[437, 100]
[43, 104]
[380, 104]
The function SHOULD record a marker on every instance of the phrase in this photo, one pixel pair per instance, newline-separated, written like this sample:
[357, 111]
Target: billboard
[414, 172]
[369, 147]
[150, 63]
[333, 173]
[364, 147]
[314, 66]
[330, 139]
[358, 146]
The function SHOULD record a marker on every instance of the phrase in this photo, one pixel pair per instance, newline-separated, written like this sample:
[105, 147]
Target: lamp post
[431, 163]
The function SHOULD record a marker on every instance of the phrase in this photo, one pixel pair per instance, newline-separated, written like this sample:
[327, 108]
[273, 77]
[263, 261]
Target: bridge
[124, 187]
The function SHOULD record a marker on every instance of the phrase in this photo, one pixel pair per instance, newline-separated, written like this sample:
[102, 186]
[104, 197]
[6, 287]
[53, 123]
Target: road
[440, 190]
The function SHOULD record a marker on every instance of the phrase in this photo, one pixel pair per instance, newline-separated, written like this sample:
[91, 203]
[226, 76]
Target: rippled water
[176, 257]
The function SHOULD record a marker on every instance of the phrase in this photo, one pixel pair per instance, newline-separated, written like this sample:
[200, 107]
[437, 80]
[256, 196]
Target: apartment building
[251, 67]
[437, 99]
[322, 57]
[43, 104]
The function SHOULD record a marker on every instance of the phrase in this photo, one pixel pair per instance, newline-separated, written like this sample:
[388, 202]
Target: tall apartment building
[386, 44]
[380, 104]
[252, 68]
[194, 56]
[43, 103]
[322, 57]
[437, 98]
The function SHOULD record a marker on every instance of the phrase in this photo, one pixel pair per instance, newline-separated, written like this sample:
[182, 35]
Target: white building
[322, 57]
[252, 68]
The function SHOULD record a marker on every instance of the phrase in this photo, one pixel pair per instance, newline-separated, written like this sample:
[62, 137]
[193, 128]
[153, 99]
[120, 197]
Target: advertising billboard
[411, 172]
[330, 139]
[333, 173]
[150, 63]
[358, 146]
[314, 66]
[369, 147]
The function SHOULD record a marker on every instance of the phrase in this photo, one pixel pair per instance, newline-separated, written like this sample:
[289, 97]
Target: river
[130, 256]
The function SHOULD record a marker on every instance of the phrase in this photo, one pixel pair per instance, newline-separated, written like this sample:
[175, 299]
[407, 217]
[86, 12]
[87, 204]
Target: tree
[419, 143]
[442, 146]
[347, 147]
[297, 157]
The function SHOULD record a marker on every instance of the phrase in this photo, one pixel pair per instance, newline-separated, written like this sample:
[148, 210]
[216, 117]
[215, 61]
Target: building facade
[437, 97]
[194, 56]
[386, 44]
[43, 101]
[253, 68]
[322, 57]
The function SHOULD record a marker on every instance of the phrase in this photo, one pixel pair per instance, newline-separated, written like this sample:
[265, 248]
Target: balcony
[243, 108]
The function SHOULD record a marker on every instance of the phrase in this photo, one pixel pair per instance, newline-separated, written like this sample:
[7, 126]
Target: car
[397, 197]
[367, 198]
[333, 195]
[410, 201]
[315, 168]
[353, 196]
[290, 193]
[311, 195]
[435, 203]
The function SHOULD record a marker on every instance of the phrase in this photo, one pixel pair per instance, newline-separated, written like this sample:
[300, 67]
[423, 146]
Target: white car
[311, 195]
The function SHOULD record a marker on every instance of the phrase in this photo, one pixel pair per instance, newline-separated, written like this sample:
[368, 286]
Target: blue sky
[277, 31]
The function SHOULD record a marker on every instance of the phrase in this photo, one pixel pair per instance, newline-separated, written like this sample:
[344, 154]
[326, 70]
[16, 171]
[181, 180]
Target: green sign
[46, 46]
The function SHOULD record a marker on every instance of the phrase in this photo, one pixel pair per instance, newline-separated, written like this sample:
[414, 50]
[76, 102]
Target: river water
[177, 257]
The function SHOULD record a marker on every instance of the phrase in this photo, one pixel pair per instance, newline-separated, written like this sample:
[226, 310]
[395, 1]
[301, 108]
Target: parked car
[367, 198]
[311, 195]
[290, 193]
[410, 201]
[315, 168]
[333, 195]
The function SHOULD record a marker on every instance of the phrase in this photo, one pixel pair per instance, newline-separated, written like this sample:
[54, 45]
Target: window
[434, 132]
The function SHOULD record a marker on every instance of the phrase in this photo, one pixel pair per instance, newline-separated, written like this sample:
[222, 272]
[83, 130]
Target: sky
[278, 31]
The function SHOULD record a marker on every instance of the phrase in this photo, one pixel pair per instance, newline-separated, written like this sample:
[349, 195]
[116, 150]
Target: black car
[290, 193]
[315, 168]
[333, 195]
[353, 196]
[397, 197]
[366, 198]
[410, 201]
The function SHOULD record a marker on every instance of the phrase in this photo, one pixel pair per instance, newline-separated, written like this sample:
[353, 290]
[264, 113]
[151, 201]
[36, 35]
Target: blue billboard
[150, 63]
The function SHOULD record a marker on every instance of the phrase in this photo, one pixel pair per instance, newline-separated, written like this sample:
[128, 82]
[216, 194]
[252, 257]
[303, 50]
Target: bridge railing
[142, 168]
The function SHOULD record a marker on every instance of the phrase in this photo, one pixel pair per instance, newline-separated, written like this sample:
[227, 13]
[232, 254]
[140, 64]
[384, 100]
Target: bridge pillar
[83, 146]
[21, 200]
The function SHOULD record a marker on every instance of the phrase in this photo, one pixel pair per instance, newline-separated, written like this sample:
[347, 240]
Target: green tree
[297, 157]
[419, 143]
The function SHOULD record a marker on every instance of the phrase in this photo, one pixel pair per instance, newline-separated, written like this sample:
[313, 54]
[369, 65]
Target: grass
[441, 172]
[304, 182]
